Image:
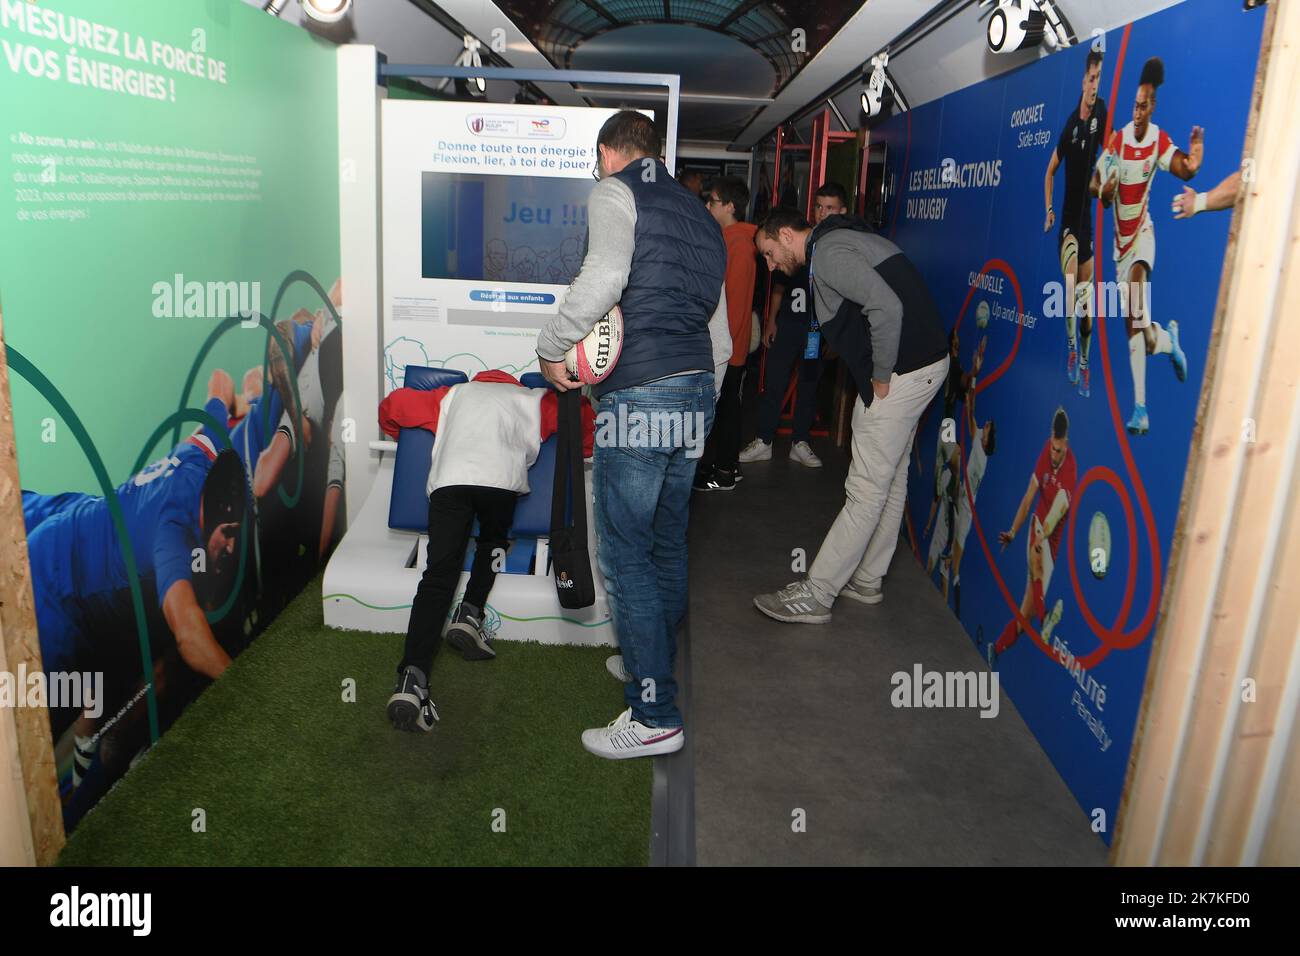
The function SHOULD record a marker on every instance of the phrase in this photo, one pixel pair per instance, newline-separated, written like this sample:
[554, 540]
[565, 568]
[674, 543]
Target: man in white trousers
[878, 316]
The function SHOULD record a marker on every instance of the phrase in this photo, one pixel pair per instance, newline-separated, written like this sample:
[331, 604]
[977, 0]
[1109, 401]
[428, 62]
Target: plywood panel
[15, 828]
[21, 645]
[1200, 768]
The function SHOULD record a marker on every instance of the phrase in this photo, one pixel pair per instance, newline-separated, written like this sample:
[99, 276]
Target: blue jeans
[648, 441]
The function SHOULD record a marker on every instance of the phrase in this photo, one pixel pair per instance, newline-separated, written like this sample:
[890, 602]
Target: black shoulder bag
[570, 559]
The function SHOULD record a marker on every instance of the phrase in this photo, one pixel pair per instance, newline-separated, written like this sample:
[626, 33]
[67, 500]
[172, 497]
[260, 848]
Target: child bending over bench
[489, 431]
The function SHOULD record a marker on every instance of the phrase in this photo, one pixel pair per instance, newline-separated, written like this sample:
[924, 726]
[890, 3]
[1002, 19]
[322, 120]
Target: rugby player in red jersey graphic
[1053, 482]
[1123, 180]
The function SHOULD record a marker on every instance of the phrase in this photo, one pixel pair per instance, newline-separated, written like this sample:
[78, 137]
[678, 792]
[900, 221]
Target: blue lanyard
[814, 326]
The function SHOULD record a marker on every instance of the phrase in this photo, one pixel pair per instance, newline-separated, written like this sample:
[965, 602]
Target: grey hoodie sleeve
[848, 274]
[599, 284]
[720, 336]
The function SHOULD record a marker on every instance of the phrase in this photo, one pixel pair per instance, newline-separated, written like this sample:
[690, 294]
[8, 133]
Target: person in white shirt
[489, 432]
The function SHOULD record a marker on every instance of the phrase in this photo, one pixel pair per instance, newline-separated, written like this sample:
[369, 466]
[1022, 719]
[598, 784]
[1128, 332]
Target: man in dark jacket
[655, 251]
[876, 313]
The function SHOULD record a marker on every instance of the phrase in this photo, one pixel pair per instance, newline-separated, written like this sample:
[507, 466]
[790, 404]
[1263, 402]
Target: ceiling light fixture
[1020, 24]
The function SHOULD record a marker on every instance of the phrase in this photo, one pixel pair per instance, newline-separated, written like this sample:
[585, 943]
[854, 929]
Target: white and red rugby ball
[593, 358]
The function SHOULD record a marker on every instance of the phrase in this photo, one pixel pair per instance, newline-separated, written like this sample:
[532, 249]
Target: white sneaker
[863, 595]
[614, 664]
[802, 452]
[757, 450]
[625, 737]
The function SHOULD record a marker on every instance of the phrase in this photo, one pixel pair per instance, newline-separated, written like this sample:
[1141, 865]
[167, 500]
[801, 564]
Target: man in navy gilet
[654, 250]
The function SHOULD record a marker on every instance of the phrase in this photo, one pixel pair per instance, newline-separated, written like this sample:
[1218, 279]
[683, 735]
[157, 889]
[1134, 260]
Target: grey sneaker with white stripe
[795, 604]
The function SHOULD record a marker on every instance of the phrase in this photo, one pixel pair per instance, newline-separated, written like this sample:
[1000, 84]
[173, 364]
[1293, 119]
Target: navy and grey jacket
[655, 251]
[872, 303]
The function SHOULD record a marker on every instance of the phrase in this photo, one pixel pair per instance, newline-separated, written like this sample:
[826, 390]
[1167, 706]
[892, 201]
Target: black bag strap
[560, 481]
[570, 486]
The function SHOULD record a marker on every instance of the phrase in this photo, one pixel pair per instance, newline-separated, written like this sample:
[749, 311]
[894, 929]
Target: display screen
[503, 228]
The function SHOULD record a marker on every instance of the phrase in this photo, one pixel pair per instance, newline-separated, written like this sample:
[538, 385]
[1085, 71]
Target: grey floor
[788, 717]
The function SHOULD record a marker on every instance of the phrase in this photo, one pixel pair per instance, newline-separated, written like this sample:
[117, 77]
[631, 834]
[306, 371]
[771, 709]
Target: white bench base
[368, 586]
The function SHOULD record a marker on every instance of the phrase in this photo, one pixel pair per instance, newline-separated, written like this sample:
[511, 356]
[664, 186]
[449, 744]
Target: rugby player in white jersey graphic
[1123, 181]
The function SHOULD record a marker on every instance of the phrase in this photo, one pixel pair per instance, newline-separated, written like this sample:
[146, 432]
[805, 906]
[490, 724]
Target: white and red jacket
[489, 429]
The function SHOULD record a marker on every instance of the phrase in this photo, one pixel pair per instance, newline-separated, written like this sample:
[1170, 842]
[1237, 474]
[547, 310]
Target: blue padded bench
[408, 507]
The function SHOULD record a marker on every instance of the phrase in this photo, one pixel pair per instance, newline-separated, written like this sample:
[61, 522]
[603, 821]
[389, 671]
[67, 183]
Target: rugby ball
[1109, 166]
[593, 359]
[982, 315]
[1099, 545]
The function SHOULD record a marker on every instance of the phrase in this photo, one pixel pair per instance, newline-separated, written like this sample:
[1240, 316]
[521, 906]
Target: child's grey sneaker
[410, 707]
[466, 634]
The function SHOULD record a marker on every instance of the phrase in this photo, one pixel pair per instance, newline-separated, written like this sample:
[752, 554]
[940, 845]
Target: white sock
[1071, 321]
[1082, 310]
[83, 753]
[1164, 345]
[1137, 360]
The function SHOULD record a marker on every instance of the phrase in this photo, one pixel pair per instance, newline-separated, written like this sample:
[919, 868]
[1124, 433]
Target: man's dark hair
[1153, 73]
[834, 191]
[1094, 59]
[732, 189]
[1060, 424]
[628, 131]
[780, 218]
[991, 442]
[225, 493]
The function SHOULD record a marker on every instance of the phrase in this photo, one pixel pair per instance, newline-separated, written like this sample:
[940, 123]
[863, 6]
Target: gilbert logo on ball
[592, 359]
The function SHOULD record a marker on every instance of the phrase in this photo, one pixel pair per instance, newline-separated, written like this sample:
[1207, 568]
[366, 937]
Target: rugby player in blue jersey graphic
[183, 514]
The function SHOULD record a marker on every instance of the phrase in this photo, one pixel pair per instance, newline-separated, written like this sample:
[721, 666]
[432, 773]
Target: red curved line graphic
[1005, 268]
[1109, 636]
[1134, 637]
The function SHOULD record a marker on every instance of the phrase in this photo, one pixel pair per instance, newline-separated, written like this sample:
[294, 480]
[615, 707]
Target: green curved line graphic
[20, 364]
[222, 328]
[402, 607]
[373, 607]
[202, 417]
[34, 377]
[567, 620]
[297, 275]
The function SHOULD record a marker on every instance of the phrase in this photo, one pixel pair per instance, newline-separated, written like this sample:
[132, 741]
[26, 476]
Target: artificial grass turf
[289, 773]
